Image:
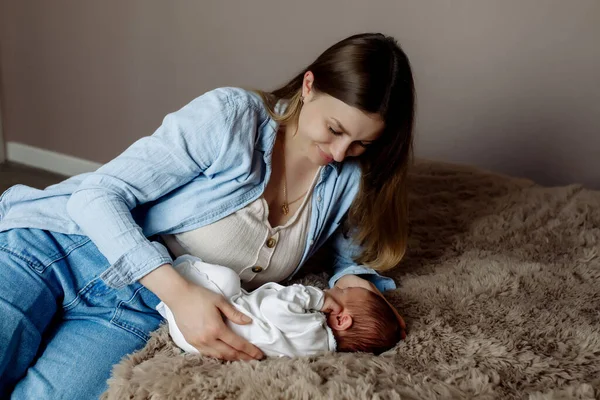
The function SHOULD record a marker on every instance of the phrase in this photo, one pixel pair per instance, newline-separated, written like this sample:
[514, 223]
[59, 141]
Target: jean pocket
[137, 314]
[38, 248]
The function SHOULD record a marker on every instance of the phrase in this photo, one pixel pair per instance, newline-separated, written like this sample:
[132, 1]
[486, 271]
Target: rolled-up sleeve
[344, 250]
[187, 143]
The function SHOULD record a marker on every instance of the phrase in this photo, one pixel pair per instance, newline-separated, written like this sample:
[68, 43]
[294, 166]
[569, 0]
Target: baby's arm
[294, 309]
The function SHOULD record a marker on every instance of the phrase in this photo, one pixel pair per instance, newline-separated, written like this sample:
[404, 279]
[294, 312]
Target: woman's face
[330, 129]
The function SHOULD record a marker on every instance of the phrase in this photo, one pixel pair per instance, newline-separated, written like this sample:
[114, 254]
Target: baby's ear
[340, 322]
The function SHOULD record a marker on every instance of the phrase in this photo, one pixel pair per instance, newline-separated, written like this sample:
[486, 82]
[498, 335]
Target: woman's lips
[326, 157]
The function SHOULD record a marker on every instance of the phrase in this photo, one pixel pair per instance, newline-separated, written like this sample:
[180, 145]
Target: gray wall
[512, 85]
[2, 151]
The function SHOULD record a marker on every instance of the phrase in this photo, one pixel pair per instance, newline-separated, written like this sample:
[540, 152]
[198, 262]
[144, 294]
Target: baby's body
[286, 320]
[294, 320]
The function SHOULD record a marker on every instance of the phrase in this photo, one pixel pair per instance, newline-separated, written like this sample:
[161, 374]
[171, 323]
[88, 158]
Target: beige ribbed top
[245, 242]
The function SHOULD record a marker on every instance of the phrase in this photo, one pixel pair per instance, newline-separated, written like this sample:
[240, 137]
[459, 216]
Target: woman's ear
[307, 86]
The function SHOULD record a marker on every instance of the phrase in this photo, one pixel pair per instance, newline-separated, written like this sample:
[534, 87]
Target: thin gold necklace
[285, 207]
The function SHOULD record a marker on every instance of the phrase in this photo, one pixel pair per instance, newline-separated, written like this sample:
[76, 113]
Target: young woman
[256, 182]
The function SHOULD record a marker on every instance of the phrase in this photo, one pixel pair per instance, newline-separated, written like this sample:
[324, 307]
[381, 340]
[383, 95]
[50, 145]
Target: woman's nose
[340, 148]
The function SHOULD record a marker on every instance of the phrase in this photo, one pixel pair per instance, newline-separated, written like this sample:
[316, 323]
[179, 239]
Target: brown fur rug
[500, 289]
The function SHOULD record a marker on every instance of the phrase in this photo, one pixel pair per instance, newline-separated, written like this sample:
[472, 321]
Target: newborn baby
[294, 320]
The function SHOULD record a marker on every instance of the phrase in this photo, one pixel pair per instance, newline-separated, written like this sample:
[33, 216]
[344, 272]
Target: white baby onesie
[286, 320]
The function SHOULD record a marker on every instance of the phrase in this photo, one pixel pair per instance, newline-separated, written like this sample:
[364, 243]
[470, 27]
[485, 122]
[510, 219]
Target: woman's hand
[356, 281]
[200, 314]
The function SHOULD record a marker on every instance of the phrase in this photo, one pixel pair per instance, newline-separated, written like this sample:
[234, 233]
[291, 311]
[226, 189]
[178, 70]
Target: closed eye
[336, 133]
[360, 143]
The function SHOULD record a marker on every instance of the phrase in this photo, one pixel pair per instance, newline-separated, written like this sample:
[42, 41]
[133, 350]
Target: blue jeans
[62, 328]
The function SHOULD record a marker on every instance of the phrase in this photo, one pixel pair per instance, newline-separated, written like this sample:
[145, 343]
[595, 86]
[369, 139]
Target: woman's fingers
[211, 344]
[234, 355]
[200, 315]
[223, 351]
[230, 347]
[233, 340]
[220, 350]
[233, 314]
[240, 344]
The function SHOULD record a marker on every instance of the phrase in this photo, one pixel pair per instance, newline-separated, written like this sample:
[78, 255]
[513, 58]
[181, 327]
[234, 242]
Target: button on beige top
[246, 242]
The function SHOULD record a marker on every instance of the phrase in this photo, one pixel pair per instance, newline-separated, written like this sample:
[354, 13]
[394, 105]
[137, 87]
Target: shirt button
[319, 199]
[257, 269]
[271, 243]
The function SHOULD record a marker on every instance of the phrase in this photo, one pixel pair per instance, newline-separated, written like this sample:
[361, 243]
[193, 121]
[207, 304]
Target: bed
[500, 290]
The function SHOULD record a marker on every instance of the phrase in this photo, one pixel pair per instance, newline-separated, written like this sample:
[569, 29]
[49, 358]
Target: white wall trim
[48, 160]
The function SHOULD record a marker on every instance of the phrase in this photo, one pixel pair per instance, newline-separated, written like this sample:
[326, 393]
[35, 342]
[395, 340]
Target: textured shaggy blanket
[500, 289]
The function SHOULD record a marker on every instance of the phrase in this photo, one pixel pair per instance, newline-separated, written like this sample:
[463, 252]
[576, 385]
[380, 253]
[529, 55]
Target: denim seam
[124, 325]
[68, 251]
[35, 266]
[129, 328]
[80, 294]
[20, 257]
[39, 267]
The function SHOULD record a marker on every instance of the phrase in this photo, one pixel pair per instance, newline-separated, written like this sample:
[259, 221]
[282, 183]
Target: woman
[237, 178]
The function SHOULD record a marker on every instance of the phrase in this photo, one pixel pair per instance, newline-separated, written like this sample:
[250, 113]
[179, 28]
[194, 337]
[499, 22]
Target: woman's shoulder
[232, 99]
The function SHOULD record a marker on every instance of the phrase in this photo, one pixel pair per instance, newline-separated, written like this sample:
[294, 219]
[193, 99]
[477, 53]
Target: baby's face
[343, 295]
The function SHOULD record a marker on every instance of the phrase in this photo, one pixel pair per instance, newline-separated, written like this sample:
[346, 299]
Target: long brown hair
[369, 72]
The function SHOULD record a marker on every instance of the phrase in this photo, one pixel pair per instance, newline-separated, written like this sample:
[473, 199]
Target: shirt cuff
[382, 283]
[134, 264]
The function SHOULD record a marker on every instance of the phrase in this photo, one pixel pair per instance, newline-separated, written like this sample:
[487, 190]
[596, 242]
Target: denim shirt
[205, 161]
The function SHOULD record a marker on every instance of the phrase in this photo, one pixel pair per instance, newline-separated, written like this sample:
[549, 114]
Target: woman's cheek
[358, 152]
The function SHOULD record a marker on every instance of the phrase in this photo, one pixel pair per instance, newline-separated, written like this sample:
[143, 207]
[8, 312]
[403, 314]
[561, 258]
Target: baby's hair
[375, 328]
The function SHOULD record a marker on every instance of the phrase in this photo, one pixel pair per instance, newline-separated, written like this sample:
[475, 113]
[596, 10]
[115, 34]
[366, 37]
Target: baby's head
[363, 322]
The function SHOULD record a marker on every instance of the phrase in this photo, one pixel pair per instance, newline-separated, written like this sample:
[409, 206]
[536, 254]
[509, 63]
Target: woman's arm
[188, 143]
[344, 250]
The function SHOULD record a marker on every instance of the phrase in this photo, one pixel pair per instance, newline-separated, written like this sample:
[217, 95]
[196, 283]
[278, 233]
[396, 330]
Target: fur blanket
[500, 290]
